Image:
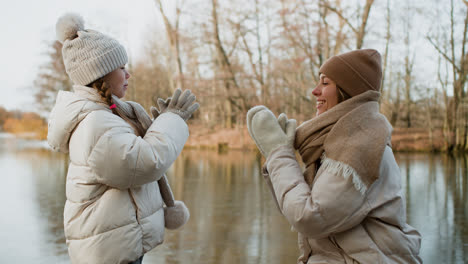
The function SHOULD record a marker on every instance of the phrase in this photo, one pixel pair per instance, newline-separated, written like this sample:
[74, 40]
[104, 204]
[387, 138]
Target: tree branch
[442, 53]
[334, 10]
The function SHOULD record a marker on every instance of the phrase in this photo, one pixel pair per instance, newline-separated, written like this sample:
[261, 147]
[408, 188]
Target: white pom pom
[68, 25]
[176, 216]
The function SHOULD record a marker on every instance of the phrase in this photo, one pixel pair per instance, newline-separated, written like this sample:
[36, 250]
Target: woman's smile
[326, 94]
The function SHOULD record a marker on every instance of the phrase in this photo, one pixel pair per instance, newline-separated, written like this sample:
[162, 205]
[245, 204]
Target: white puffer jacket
[114, 210]
[337, 224]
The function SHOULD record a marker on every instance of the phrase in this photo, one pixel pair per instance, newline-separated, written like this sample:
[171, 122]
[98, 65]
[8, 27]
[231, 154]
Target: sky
[29, 27]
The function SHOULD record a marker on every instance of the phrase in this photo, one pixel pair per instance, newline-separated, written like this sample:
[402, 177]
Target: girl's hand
[182, 104]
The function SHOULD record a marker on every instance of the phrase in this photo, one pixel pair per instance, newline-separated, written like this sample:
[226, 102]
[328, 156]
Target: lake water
[233, 218]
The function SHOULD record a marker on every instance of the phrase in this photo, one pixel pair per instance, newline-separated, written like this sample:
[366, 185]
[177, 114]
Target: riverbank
[403, 139]
[417, 140]
[21, 141]
[222, 139]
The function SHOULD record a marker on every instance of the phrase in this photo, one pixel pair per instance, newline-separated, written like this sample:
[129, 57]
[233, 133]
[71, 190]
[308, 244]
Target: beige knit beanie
[356, 71]
[87, 54]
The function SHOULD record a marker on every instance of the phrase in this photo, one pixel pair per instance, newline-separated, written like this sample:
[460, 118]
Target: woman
[118, 156]
[347, 206]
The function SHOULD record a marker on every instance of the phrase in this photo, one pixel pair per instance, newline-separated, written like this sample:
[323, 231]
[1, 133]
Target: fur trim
[68, 25]
[344, 169]
[176, 216]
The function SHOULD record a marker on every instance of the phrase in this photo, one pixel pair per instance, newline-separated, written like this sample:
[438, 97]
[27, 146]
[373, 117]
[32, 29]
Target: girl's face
[117, 80]
[326, 94]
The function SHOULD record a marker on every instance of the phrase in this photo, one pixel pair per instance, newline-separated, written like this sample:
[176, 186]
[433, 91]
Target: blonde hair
[106, 94]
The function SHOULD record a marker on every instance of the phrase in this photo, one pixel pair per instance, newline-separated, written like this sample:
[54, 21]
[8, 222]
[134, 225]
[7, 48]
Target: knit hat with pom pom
[87, 54]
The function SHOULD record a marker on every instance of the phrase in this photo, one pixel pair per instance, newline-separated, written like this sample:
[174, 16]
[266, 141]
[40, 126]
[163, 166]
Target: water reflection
[233, 218]
[436, 191]
[33, 194]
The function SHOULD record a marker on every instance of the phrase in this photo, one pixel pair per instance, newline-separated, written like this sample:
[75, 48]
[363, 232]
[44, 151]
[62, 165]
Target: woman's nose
[316, 91]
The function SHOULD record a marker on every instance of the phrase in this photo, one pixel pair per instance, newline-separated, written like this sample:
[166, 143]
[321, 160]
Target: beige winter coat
[335, 221]
[114, 210]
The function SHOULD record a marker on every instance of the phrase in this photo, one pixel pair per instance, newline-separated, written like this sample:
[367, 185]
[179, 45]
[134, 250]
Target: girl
[347, 206]
[118, 156]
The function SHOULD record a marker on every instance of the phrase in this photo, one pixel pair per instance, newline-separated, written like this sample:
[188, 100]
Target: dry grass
[416, 139]
[203, 137]
[403, 139]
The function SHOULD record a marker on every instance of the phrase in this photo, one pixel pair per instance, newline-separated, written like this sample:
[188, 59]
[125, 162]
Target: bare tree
[359, 29]
[388, 37]
[4, 115]
[236, 55]
[408, 64]
[455, 132]
[52, 78]
[256, 61]
[235, 96]
[395, 112]
[174, 42]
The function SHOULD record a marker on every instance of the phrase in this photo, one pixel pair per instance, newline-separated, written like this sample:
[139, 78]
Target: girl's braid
[106, 93]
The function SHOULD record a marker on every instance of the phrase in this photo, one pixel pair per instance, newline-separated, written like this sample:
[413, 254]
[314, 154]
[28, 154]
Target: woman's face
[326, 94]
[117, 80]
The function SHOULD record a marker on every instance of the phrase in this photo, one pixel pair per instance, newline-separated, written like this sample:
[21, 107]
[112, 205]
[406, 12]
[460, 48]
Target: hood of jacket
[69, 110]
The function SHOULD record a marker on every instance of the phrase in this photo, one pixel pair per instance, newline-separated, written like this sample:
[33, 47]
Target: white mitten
[268, 132]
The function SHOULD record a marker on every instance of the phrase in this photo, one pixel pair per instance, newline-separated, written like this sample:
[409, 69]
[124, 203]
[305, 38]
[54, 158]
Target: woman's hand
[268, 132]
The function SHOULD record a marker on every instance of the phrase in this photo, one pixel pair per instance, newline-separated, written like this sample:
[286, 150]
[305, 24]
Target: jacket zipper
[137, 218]
[134, 205]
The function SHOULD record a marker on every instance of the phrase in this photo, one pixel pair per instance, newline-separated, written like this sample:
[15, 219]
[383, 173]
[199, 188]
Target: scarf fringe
[344, 169]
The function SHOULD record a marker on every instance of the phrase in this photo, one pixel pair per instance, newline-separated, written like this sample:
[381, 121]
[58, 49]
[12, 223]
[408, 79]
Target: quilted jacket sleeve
[121, 159]
[332, 205]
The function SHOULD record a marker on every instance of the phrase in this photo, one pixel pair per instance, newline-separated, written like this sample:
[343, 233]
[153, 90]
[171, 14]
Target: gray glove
[268, 132]
[162, 104]
[180, 103]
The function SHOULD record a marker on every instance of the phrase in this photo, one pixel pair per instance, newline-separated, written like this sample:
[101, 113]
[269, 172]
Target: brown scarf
[351, 137]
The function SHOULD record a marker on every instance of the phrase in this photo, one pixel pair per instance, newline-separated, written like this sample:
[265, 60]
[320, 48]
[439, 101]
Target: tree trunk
[387, 44]
[230, 83]
[175, 61]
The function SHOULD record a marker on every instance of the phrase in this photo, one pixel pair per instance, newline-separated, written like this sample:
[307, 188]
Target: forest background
[237, 54]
